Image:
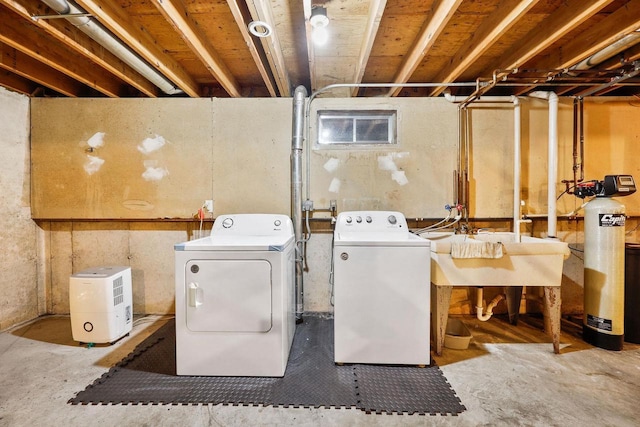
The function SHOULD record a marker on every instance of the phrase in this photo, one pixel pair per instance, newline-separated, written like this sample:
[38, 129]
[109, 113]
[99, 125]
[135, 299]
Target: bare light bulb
[320, 36]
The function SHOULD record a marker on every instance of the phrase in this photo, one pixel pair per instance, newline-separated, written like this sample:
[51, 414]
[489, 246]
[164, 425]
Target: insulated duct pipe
[552, 218]
[107, 40]
[297, 139]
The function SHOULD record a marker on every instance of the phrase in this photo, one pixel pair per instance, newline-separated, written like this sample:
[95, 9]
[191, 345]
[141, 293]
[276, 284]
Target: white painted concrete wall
[19, 294]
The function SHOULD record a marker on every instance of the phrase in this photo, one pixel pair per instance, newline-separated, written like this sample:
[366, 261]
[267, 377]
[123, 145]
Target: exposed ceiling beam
[506, 15]
[311, 56]
[24, 36]
[617, 25]
[376, 10]
[118, 22]
[78, 41]
[25, 66]
[242, 18]
[261, 11]
[175, 13]
[17, 83]
[431, 30]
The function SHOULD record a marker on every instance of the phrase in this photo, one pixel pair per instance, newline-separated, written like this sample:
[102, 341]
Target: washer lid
[237, 243]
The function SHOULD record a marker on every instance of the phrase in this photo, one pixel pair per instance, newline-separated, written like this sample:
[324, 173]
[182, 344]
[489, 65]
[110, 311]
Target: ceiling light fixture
[260, 29]
[319, 21]
[319, 17]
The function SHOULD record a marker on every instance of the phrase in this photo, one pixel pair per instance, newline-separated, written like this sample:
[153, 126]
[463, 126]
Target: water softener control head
[611, 186]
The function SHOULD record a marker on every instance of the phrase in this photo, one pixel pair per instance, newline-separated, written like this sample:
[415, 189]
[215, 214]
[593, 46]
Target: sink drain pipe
[479, 303]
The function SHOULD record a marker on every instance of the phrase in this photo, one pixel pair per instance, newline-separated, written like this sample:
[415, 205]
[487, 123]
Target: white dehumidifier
[100, 303]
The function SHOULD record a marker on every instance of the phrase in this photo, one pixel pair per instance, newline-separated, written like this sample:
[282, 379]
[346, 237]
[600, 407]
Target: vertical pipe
[296, 191]
[552, 160]
[581, 115]
[575, 143]
[553, 166]
[516, 168]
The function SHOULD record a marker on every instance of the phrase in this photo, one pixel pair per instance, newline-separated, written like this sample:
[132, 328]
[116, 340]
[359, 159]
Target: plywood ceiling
[203, 48]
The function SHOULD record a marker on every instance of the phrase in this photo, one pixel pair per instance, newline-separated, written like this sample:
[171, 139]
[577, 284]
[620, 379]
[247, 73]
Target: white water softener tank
[604, 255]
[100, 304]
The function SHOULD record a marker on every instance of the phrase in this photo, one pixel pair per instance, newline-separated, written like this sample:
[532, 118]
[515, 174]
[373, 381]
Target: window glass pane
[336, 130]
[372, 130]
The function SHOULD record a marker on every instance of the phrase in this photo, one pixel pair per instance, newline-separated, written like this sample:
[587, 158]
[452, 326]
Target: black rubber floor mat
[398, 389]
[148, 376]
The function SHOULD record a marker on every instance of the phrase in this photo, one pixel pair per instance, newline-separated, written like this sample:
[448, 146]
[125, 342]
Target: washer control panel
[371, 221]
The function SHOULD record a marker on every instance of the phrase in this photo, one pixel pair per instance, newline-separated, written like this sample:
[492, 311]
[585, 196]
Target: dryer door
[228, 295]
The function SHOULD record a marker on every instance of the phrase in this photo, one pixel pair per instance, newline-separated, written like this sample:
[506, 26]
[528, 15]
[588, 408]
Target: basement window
[356, 128]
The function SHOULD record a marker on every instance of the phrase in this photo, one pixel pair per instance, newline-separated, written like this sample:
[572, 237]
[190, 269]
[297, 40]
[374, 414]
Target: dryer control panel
[252, 225]
[371, 221]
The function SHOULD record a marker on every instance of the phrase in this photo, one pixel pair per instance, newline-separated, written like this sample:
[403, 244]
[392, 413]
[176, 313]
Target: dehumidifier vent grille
[118, 291]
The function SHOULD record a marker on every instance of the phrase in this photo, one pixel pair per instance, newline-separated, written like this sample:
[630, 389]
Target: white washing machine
[382, 286]
[235, 298]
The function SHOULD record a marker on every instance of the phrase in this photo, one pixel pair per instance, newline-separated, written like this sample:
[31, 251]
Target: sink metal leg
[440, 299]
[552, 303]
[514, 295]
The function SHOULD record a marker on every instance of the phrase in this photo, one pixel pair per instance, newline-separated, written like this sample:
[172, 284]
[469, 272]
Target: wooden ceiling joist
[27, 67]
[376, 10]
[120, 24]
[175, 13]
[429, 33]
[261, 11]
[23, 36]
[499, 22]
[570, 15]
[615, 26]
[17, 83]
[78, 41]
[242, 18]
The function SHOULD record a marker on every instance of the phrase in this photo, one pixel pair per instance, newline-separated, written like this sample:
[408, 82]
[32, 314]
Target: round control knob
[368, 219]
[227, 222]
[349, 220]
[358, 219]
[277, 223]
[88, 326]
[392, 219]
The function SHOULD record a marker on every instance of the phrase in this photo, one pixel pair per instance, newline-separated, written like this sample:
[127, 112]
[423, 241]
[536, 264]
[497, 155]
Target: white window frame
[357, 140]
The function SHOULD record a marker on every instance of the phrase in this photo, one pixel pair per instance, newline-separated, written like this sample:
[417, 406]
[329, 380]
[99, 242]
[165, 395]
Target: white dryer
[382, 287]
[235, 298]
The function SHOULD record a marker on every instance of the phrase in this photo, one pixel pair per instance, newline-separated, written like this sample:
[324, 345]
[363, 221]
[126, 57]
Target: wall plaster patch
[152, 172]
[387, 163]
[96, 140]
[334, 187]
[332, 165]
[93, 164]
[149, 145]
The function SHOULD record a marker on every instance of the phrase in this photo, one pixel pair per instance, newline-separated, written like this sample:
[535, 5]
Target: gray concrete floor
[508, 376]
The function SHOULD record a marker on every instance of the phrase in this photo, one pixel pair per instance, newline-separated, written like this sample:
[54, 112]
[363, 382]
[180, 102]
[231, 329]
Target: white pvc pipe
[112, 44]
[479, 302]
[553, 165]
[517, 166]
[552, 160]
